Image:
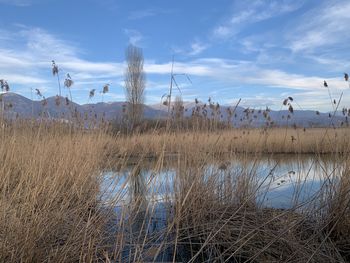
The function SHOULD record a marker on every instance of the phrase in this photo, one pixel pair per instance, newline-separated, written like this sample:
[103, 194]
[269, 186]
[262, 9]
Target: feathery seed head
[92, 93]
[54, 68]
[68, 82]
[105, 88]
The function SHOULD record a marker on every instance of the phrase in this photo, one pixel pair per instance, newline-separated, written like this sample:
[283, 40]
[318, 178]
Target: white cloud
[197, 48]
[245, 72]
[245, 13]
[328, 26]
[258, 101]
[22, 79]
[10, 59]
[153, 85]
[179, 67]
[243, 17]
[94, 68]
[26, 60]
[48, 45]
[135, 37]
[223, 31]
[38, 53]
[333, 62]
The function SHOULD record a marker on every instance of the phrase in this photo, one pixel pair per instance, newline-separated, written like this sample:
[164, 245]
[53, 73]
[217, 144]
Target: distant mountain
[250, 117]
[16, 105]
[57, 108]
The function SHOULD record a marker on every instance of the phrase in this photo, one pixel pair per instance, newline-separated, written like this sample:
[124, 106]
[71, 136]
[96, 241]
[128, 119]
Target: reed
[55, 208]
[48, 187]
[271, 141]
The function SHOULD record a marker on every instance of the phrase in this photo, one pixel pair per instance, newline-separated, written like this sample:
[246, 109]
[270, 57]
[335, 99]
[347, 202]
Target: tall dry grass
[48, 194]
[270, 141]
[336, 220]
[52, 210]
[213, 215]
[221, 221]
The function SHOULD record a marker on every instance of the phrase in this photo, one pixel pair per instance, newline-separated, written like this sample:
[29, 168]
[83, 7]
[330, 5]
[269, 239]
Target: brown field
[275, 140]
[50, 209]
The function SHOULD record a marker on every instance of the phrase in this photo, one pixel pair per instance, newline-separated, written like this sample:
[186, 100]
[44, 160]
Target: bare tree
[135, 80]
[178, 109]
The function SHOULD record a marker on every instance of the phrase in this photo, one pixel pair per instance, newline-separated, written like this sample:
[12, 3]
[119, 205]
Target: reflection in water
[283, 181]
[142, 222]
[137, 214]
[146, 197]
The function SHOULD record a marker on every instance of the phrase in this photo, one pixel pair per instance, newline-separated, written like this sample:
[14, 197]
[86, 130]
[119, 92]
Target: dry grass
[214, 217]
[223, 223]
[51, 209]
[336, 221]
[276, 140]
[48, 189]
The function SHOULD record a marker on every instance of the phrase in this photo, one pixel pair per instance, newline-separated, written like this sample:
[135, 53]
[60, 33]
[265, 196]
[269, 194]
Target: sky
[261, 51]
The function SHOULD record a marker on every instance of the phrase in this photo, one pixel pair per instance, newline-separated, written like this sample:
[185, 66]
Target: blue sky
[260, 50]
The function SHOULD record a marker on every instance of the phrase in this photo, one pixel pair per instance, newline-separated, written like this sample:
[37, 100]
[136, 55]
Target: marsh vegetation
[70, 195]
[192, 189]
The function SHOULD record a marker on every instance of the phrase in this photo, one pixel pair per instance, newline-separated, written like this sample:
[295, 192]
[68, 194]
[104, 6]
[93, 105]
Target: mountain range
[18, 106]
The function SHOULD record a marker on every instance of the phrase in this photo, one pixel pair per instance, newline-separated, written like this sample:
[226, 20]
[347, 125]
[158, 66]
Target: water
[279, 178]
[143, 196]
